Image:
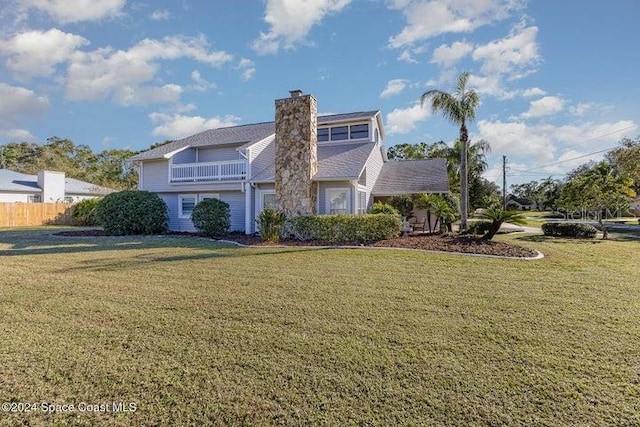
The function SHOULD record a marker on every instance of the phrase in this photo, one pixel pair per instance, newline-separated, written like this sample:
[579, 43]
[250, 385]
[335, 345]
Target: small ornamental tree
[132, 212]
[212, 217]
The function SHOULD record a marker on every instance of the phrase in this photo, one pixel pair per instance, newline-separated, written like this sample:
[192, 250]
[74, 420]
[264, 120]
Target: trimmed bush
[132, 212]
[569, 229]
[479, 228]
[383, 208]
[355, 229]
[84, 212]
[212, 217]
[271, 223]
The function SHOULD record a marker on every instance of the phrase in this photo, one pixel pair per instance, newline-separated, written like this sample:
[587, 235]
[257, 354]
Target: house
[519, 203]
[301, 163]
[46, 186]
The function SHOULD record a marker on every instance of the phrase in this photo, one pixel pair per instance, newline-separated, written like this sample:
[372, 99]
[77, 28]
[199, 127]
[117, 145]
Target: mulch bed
[444, 243]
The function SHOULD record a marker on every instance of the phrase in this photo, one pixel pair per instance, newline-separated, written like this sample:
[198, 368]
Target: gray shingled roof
[222, 136]
[412, 176]
[24, 183]
[340, 161]
[243, 134]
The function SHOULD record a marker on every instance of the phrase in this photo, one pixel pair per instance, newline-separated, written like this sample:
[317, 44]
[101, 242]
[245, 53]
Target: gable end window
[359, 131]
[343, 133]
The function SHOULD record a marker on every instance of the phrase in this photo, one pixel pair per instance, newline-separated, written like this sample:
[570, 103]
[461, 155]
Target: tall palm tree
[459, 108]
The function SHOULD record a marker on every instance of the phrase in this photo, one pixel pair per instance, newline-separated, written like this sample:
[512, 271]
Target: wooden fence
[25, 214]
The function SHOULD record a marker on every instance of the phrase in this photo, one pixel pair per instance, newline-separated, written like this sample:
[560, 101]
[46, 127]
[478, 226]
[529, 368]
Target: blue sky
[557, 79]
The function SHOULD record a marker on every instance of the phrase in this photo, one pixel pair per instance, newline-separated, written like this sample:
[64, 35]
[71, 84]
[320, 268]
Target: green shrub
[132, 212]
[403, 204]
[84, 212]
[569, 229]
[383, 208]
[212, 217]
[355, 229]
[271, 223]
[479, 228]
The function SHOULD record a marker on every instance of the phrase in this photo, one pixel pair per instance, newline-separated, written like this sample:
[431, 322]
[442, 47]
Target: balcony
[208, 171]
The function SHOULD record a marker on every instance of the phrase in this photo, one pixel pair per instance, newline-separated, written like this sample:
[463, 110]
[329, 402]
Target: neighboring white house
[46, 187]
[301, 163]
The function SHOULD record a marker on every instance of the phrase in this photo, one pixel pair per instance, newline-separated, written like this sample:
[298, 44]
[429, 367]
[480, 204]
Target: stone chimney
[52, 185]
[296, 153]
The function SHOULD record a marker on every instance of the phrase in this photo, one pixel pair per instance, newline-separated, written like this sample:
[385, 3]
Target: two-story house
[301, 163]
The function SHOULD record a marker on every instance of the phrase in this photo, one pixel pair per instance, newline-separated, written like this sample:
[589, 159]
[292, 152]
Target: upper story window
[343, 133]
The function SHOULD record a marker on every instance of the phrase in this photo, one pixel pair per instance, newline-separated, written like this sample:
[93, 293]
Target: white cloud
[534, 91]
[291, 21]
[176, 126]
[200, 83]
[490, 85]
[581, 108]
[126, 76]
[65, 11]
[17, 135]
[404, 120]
[513, 55]
[36, 53]
[17, 102]
[160, 15]
[394, 87]
[429, 18]
[540, 142]
[544, 107]
[406, 56]
[446, 56]
[248, 68]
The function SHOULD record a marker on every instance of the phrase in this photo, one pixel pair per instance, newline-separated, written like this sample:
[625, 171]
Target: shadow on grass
[21, 242]
[557, 240]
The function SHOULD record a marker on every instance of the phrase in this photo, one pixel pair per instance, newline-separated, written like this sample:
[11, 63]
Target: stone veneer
[296, 159]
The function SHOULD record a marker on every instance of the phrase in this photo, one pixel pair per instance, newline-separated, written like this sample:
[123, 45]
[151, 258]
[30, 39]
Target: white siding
[235, 199]
[263, 155]
[155, 175]
[218, 154]
[185, 156]
[372, 169]
[15, 197]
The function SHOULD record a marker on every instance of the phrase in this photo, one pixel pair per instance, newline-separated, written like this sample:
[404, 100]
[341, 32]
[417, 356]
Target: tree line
[609, 184]
[109, 168]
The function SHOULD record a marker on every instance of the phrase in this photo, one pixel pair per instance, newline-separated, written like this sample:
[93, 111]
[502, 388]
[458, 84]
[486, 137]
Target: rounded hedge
[84, 212]
[212, 217]
[569, 229]
[132, 212]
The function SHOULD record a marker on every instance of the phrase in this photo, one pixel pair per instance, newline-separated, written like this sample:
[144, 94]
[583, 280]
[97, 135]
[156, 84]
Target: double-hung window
[186, 203]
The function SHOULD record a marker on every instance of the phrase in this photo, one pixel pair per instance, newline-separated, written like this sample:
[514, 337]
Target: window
[186, 205]
[269, 200]
[68, 199]
[340, 133]
[359, 131]
[323, 134]
[362, 202]
[343, 133]
[35, 198]
[337, 200]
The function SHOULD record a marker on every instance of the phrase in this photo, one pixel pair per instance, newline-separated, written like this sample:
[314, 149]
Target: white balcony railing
[209, 171]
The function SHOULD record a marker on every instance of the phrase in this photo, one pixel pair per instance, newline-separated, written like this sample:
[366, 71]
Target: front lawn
[198, 333]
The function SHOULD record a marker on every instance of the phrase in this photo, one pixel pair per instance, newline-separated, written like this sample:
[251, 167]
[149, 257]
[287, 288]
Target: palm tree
[459, 108]
[498, 216]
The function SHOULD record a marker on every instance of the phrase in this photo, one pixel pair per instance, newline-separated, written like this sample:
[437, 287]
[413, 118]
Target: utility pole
[504, 183]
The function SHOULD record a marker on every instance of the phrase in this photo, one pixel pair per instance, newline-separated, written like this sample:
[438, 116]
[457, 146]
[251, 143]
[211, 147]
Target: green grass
[198, 333]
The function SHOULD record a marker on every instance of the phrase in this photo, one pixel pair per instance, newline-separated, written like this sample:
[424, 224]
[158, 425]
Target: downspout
[247, 193]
